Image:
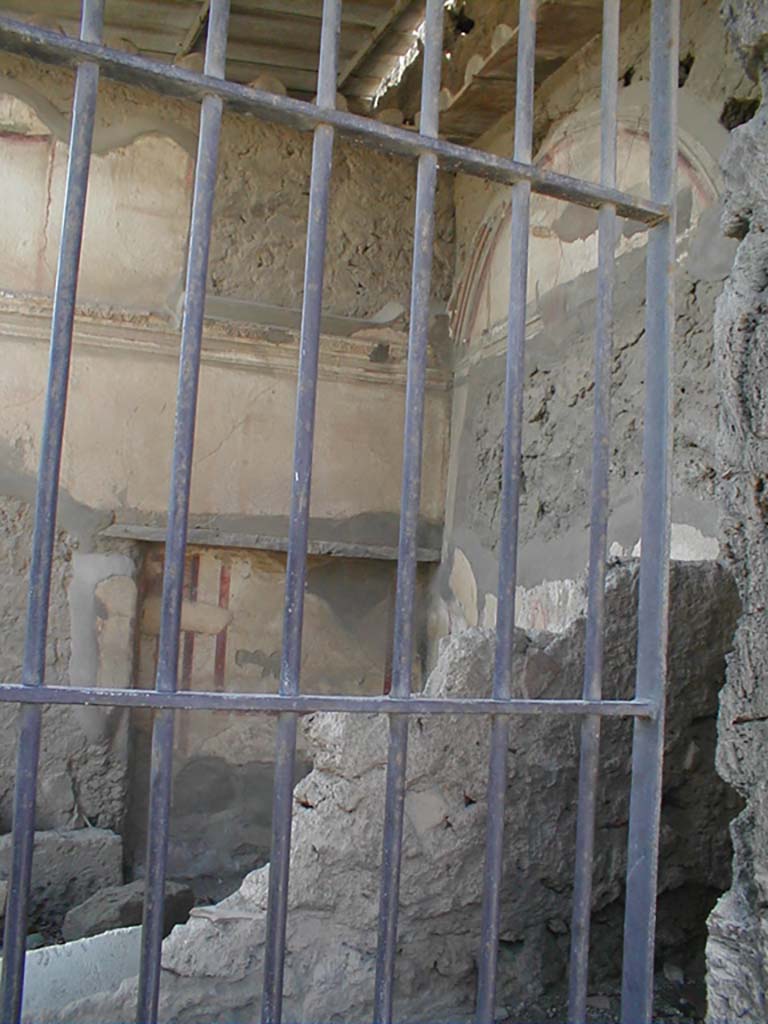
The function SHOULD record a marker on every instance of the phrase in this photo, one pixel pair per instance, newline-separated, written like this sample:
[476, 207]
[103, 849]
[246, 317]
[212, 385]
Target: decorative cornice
[376, 355]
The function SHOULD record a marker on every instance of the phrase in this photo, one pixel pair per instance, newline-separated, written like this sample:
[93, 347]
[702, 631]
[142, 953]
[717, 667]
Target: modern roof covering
[280, 38]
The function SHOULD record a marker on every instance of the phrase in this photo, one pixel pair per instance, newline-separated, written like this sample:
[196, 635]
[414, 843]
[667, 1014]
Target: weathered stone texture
[82, 778]
[121, 906]
[558, 412]
[67, 869]
[213, 964]
[559, 387]
[259, 236]
[737, 951]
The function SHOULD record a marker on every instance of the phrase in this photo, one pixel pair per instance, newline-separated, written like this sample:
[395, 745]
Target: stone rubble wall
[147, 142]
[213, 964]
[559, 396]
[82, 778]
[737, 951]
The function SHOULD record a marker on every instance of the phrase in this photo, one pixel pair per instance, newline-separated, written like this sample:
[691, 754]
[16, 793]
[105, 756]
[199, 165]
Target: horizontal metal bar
[308, 703]
[52, 48]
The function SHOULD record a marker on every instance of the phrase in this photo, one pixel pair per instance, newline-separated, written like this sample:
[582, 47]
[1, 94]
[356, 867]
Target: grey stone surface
[212, 965]
[57, 975]
[82, 775]
[747, 24]
[737, 950]
[558, 411]
[67, 868]
[120, 906]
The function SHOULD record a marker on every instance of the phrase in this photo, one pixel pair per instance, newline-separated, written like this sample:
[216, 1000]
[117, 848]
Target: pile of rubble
[212, 965]
[77, 887]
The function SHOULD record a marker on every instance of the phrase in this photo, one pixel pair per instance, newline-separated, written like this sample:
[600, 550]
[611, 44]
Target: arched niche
[137, 215]
[563, 241]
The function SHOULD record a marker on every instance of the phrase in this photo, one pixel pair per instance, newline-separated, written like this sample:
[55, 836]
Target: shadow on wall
[212, 965]
[232, 619]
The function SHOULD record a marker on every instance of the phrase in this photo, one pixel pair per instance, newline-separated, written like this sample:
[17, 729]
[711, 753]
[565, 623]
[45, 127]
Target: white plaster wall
[136, 216]
[120, 427]
[58, 975]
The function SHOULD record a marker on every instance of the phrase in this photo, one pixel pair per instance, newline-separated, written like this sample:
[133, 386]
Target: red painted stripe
[220, 664]
[188, 650]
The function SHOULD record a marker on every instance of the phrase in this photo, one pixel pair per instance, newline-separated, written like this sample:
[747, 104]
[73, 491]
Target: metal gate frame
[89, 58]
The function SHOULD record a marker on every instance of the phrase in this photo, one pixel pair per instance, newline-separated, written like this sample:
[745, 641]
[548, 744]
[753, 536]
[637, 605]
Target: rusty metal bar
[178, 514]
[298, 535]
[653, 607]
[46, 503]
[598, 537]
[510, 515]
[413, 442]
[51, 48]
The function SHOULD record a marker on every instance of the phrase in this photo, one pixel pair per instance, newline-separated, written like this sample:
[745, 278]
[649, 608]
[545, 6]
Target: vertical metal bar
[510, 513]
[648, 742]
[298, 535]
[46, 502]
[402, 646]
[598, 539]
[178, 512]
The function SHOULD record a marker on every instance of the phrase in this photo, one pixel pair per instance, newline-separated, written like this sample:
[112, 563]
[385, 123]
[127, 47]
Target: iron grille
[214, 92]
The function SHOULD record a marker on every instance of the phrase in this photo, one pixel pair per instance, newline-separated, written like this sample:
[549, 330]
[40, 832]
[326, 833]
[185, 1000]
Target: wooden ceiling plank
[267, 26]
[272, 56]
[292, 78]
[398, 8]
[353, 13]
[195, 30]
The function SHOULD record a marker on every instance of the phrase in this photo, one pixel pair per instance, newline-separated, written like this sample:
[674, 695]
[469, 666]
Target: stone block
[58, 975]
[67, 868]
[120, 906]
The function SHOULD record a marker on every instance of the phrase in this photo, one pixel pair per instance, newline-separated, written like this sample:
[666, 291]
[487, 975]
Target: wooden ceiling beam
[195, 30]
[398, 8]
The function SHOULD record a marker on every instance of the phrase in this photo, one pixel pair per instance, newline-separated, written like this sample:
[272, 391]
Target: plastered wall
[560, 323]
[118, 439]
[231, 639]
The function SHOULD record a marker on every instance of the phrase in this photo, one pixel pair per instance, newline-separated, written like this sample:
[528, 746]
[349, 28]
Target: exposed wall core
[737, 953]
[559, 354]
[231, 640]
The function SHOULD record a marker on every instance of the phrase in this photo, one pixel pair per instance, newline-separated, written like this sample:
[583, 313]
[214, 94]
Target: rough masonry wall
[259, 230]
[82, 774]
[737, 952]
[220, 825]
[558, 408]
[60, 797]
[212, 966]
